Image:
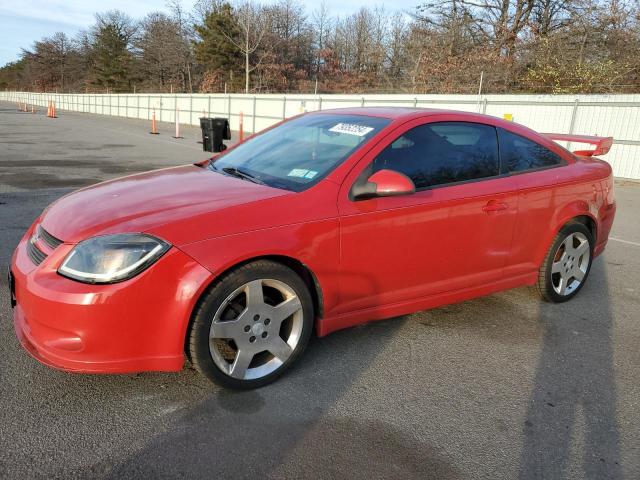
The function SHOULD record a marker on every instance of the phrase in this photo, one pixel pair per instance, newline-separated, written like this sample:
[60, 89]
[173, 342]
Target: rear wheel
[567, 264]
[252, 325]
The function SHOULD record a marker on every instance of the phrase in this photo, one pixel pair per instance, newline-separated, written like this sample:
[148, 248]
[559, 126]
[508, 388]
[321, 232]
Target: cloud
[78, 13]
[346, 7]
[22, 23]
[70, 13]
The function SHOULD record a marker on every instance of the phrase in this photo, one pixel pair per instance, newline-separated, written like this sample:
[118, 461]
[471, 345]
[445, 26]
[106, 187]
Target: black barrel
[214, 131]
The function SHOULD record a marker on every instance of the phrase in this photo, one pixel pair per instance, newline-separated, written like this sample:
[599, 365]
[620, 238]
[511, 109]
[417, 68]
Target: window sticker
[351, 129]
[310, 174]
[298, 172]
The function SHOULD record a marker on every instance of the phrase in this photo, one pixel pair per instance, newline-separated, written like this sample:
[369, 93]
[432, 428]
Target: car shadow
[572, 408]
[293, 428]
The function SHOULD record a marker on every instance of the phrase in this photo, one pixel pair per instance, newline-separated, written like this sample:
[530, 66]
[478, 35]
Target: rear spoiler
[602, 144]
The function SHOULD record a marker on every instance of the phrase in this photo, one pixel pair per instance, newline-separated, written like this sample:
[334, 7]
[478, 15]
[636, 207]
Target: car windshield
[300, 152]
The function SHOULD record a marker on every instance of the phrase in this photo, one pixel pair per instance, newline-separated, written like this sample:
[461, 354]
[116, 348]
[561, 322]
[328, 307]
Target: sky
[21, 23]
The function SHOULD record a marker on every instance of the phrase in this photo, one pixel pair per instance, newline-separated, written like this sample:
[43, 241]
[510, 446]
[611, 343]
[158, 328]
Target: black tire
[545, 284]
[198, 342]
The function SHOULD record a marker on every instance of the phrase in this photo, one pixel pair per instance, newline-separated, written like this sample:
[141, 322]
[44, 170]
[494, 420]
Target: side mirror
[384, 183]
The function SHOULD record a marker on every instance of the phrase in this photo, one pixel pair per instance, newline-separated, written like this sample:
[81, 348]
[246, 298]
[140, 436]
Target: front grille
[49, 239]
[36, 255]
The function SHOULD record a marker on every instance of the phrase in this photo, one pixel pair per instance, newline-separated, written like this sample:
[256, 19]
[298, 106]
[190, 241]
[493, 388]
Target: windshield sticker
[298, 172]
[311, 174]
[351, 129]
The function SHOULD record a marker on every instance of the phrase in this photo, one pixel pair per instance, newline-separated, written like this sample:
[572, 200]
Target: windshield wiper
[242, 174]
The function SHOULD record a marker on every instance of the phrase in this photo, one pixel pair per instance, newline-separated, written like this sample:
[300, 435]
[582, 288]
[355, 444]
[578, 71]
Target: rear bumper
[132, 326]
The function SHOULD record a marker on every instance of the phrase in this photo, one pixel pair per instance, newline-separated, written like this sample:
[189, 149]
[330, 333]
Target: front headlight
[112, 258]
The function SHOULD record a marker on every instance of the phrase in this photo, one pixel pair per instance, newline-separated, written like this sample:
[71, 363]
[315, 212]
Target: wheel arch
[302, 270]
[588, 222]
[572, 215]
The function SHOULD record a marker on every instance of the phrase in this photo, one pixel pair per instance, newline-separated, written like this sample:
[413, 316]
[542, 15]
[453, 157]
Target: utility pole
[480, 91]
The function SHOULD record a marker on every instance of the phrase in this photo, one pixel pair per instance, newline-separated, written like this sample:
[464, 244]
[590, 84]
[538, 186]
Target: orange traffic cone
[153, 124]
[49, 109]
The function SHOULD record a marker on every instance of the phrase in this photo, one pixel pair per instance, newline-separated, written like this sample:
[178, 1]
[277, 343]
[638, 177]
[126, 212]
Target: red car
[327, 220]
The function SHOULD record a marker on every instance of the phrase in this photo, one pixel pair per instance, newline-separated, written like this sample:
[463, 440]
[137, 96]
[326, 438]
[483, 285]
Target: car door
[453, 233]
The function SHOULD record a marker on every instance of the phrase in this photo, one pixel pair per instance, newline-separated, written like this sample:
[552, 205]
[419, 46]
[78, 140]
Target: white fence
[607, 115]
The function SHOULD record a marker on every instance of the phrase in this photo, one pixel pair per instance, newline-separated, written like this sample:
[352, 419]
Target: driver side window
[442, 153]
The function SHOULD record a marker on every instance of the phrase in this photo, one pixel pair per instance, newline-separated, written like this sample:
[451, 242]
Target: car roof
[402, 114]
[394, 113]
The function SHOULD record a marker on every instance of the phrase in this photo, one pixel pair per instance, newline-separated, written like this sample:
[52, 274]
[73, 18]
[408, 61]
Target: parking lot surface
[503, 386]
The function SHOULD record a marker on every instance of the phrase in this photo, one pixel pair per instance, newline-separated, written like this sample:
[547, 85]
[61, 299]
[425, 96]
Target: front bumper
[132, 326]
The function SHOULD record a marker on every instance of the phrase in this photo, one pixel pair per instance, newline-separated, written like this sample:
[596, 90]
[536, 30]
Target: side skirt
[325, 326]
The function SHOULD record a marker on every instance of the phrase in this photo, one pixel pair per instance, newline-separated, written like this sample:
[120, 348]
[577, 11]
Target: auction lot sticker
[302, 173]
[351, 129]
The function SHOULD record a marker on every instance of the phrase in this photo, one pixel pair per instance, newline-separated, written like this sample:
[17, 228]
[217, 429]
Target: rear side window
[443, 152]
[521, 154]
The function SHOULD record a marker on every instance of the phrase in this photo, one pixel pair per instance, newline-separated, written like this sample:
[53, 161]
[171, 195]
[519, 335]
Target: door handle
[494, 206]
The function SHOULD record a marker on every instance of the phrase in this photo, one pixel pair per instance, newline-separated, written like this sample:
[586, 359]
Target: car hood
[146, 201]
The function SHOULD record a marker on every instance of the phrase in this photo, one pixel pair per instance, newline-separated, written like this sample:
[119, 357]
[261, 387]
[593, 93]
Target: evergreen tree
[111, 57]
[213, 49]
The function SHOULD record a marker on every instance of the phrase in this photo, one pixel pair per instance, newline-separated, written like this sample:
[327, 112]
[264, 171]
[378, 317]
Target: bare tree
[451, 23]
[163, 52]
[548, 16]
[56, 62]
[396, 49]
[321, 24]
[502, 21]
[253, 25]
[279, 46]
[186, 35]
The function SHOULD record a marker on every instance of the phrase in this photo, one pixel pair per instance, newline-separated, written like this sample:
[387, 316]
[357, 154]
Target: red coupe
[327, 220]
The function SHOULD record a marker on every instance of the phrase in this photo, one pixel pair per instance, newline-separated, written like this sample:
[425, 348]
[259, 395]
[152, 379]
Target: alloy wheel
[256, 329]
[570, 263]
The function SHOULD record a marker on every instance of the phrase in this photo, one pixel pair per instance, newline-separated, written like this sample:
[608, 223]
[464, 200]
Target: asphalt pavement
[499, 387]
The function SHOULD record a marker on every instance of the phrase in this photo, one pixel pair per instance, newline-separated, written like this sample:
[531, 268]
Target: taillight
[608, 188]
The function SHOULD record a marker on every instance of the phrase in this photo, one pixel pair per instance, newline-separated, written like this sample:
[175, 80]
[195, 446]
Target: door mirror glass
[384, 183]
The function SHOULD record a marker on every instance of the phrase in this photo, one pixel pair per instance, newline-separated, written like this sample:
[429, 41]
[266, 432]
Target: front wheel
[251, 326]
[567, 264]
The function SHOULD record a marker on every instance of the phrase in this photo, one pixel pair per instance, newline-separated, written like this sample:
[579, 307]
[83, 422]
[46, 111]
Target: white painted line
[637, 244]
